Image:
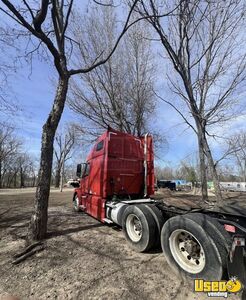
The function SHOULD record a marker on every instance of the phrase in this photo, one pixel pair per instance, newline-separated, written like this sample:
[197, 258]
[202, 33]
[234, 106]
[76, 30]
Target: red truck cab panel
[115, 168]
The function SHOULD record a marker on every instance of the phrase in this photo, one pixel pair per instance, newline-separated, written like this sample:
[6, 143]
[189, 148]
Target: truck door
[85, 186]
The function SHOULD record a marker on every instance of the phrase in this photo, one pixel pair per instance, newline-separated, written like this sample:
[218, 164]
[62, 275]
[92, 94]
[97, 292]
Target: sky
[35, 94]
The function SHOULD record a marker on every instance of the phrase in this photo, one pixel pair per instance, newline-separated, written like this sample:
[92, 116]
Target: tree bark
[58, 176]
[204, 151]
[9, 180]
[22, 184]
[62, 175]
[244, 171]
[203, 170]
[212, 166]
[38, 224]
[202, 160]
[15, 180]
[33, 180]
[0, 174]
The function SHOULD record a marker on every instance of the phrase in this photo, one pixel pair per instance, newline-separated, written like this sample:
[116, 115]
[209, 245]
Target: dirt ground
[83, 259]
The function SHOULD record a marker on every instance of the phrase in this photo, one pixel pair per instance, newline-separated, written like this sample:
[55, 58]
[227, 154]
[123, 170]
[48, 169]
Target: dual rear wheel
[195, 245]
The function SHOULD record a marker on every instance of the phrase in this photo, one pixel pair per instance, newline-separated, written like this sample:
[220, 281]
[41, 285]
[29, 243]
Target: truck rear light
[237, 242]
[230, 228]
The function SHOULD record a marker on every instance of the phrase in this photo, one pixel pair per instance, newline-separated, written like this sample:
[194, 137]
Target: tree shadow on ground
[11, 220]
[61, 232]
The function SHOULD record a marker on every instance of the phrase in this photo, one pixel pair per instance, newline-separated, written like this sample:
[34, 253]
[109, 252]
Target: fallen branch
[27, 249]
[28, 254]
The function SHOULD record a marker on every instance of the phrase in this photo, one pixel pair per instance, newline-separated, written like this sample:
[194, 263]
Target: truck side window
[87, 170]
[99, 146]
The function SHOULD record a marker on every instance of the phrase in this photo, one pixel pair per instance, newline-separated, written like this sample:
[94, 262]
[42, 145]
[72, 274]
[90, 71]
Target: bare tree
[9, 147]
[237, 152]
[8, 103]
[228, 172]
[204, 44]
[64, 143]
[26, 169]
[17, 167]
[46, 24]
[166, 173]
[120, 92]
[188, 172]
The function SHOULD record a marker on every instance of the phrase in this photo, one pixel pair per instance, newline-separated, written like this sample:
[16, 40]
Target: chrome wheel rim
[187, 251]
[134, 228]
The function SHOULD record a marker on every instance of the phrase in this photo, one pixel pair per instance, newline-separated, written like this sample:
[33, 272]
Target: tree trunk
[62, 175]
[38, 224]
[58, 176]
[15, 180]
[0, 174]
[212, 166]
[8, 181]
[203, 167]
[21, 178]
[244, 171]
[11, 179]
[33, 180]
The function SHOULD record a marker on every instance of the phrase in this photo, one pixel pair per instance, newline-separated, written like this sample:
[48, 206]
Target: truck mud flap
[236, 264]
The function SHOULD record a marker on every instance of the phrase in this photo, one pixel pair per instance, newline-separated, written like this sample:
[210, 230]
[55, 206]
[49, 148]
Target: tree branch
[178, 111]
[41, 15]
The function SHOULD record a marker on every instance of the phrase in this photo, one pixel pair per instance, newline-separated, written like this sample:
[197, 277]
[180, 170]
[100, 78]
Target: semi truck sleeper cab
[117, 187]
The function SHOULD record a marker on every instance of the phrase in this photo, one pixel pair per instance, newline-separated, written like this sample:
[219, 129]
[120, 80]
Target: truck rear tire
[190, 248]
[159, 220]
[139, 227]
[217, 233]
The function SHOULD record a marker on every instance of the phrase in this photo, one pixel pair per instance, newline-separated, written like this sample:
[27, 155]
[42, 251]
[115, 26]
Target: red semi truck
[116, 187]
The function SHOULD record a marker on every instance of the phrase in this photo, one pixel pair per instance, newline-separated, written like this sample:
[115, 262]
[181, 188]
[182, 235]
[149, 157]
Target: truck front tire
[190, 249]
[139, 227]
[76, 203]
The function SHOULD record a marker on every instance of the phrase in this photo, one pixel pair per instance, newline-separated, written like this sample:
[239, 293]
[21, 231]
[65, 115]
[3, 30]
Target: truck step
[106, 220]
[138, 201]
[111, 205]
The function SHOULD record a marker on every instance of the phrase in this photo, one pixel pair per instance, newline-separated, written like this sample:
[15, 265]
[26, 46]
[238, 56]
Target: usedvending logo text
[218, 288]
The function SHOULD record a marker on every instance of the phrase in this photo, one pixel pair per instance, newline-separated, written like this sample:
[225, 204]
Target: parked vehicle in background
[233, 186]
[72, 183]
[166, 184]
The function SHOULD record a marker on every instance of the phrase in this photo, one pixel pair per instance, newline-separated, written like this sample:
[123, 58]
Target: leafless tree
[236, 150]
[204, 43]
[188, 172]
[120, 92]
[9, 147]
[8, 102]
[64, 143]
[17, 167]
[164, 173]
[228, 172]
[26, 168]
[46, 24]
